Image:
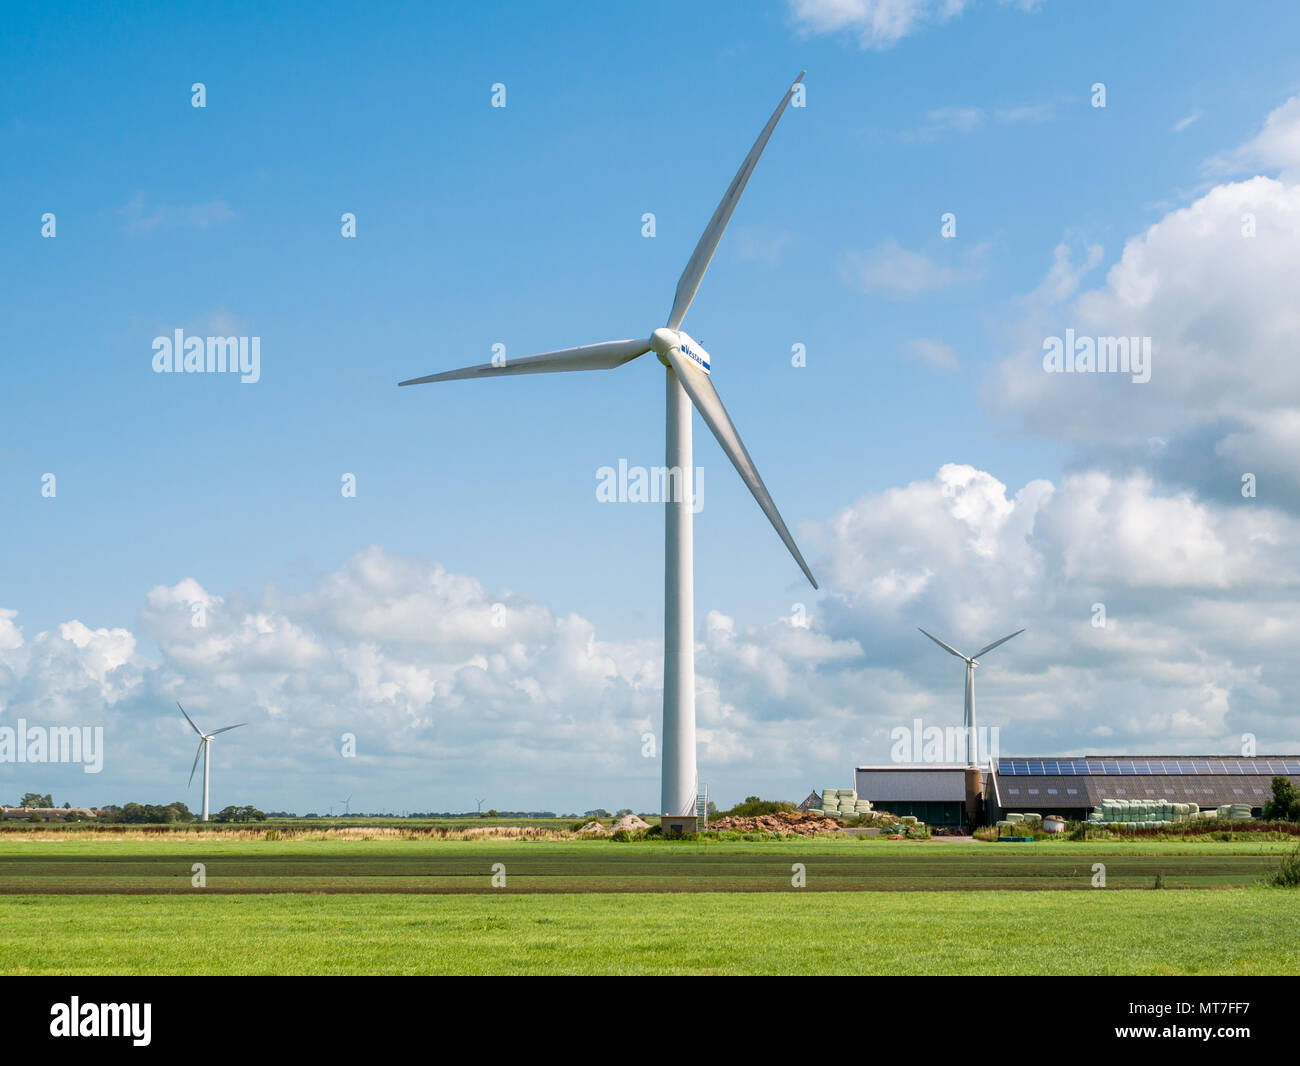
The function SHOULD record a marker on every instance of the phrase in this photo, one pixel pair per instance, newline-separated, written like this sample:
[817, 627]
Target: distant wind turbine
[688, 374]
[205, 742]
[971, 661]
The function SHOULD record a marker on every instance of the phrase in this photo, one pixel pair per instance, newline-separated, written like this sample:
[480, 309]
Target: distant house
[48, 814]
[813, 801]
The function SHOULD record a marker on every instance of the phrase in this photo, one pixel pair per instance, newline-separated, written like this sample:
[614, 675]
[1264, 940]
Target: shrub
[1288, 874]
[752, 807]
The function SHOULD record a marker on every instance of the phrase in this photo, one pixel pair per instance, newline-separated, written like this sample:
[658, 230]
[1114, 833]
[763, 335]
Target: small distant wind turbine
[205, 742]
[688, 370]
[971, 661]
[345, 804]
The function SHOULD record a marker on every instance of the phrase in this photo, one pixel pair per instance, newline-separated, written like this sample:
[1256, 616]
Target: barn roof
[1084, 781]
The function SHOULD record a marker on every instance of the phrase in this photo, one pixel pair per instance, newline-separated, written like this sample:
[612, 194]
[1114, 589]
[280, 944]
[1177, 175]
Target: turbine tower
[971, 661]
[687, 376]
[205, 742]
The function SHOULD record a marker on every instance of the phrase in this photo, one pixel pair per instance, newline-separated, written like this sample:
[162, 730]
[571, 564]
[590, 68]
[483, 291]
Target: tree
[35, 799]
[1285, 804]
[239, 814]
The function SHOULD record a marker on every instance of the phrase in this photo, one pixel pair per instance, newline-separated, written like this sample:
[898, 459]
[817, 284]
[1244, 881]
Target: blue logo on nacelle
[698, 358]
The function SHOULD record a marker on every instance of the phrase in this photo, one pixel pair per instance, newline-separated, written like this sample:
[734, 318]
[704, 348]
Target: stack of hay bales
[1015, 825]
[1159, 814]
[843, 803]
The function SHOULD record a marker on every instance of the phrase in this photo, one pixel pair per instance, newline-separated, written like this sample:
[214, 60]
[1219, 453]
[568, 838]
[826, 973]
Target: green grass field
[1197, 931]
[428, 906]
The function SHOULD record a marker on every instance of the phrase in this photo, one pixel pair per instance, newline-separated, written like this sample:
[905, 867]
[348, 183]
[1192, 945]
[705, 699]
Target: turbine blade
[699, 387]
[190, 720]
[604, 356]
[196, 763]
[226, 729]
[990, 647]
[945, 647]
[700, 258]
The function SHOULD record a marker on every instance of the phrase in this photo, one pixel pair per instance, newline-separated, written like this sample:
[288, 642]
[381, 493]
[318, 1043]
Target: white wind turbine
[205, 742]
[971, 661]
[688, 369]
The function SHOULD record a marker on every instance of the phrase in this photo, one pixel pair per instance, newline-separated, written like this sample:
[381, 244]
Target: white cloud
[1200, 598]
[1274, 149]
[541, 712]
[877, 24]
[897, 271]
[881, 24]
[933, 353]
[1220, 309]
[141, 217]
[753, 246]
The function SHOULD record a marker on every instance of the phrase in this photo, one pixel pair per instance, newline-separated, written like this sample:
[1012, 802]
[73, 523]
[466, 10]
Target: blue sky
[522, 225]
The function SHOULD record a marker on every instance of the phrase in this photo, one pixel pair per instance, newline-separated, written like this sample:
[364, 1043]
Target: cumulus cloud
[877, 24]
[891, 269]
[1211, 285]
[1274, 149]
[933, 353]
[453, 690]
[880, 24]
[143, 217]
[1196, 598]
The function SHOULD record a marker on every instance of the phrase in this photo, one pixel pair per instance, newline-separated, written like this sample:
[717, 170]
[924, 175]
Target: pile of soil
[803, 823]
[629, 821]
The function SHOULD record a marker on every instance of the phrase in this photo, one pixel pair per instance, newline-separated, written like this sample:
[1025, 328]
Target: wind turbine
[971, 661]
[205, 742]
[346, 803]
[688, 367]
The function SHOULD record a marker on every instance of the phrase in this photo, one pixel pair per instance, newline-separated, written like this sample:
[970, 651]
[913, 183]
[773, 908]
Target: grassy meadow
[409, 904]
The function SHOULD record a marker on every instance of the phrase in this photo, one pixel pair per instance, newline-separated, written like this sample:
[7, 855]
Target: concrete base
[676, 825]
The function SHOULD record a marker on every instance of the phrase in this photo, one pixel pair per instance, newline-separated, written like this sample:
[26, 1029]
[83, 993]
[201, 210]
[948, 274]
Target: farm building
[48, 814]
[1068, 786]
[1072, 786]
[936, 795]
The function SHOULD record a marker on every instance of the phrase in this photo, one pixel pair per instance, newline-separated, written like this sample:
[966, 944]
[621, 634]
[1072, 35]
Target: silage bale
[1015, 818]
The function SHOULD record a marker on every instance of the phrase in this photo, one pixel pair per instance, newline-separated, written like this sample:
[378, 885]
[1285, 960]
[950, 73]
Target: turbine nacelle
[665, 340]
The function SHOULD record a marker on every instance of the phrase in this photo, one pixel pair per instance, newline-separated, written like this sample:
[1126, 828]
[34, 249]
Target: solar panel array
[1143, 767]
